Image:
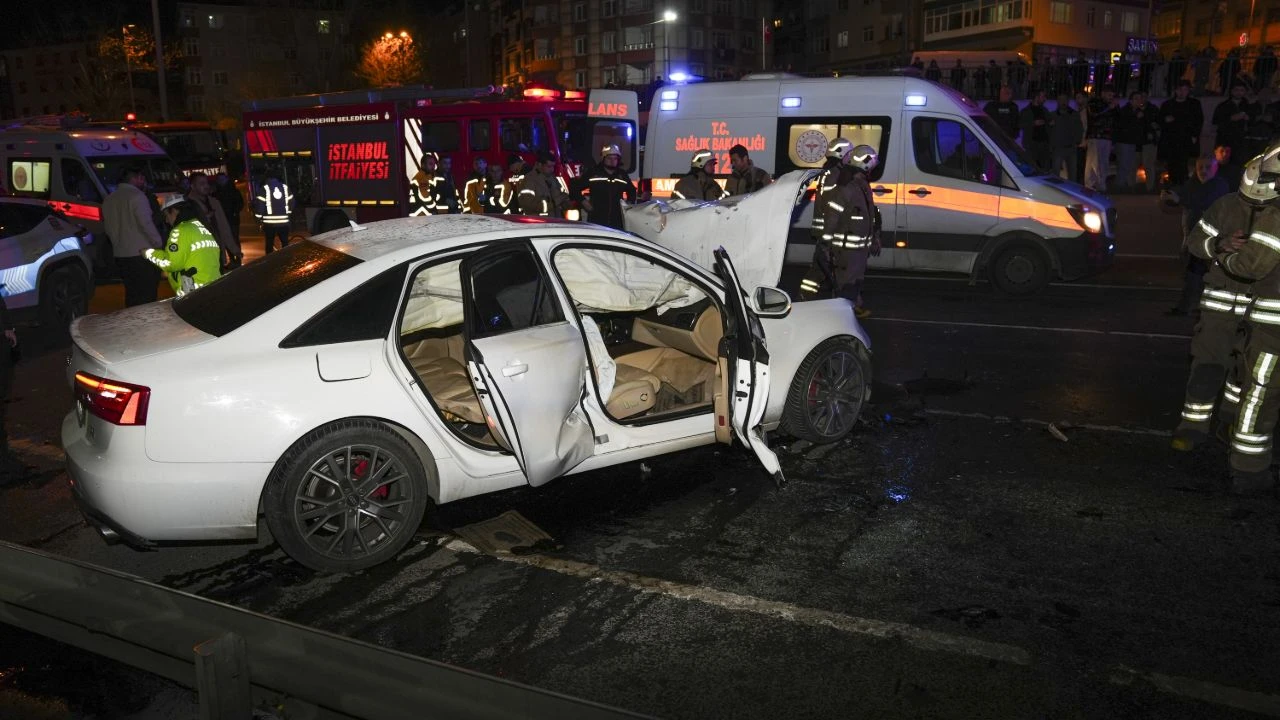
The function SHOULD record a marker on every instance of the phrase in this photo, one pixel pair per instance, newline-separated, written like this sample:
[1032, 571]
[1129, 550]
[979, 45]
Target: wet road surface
[954, 557]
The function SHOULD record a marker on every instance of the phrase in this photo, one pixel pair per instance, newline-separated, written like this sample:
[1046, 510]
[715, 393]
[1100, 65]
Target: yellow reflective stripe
[1232, 386]
[1246, 437]
[1211, 230]
[1267, 239]
[1215, 305]
[836, 206]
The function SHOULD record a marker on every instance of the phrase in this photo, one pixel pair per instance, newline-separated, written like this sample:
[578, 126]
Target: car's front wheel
[828, 391]
[346, 497]
[64, 296]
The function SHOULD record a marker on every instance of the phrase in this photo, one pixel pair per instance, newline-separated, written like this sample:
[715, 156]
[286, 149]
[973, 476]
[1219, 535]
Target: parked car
[341, 384]
[45, 264]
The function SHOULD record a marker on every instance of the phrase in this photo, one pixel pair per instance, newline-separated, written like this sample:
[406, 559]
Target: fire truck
[351, 155]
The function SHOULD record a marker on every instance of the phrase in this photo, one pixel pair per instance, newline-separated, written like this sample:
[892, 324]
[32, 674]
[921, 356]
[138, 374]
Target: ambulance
[955, 193]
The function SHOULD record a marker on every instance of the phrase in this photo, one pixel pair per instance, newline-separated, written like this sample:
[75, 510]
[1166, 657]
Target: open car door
[527, 364]
[745, 385]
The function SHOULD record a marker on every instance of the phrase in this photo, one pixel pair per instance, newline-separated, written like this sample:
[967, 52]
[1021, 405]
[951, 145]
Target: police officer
[699, 183]
[1248, 247]
[191, 257]
[845, 228]
[273, 206]
[426, 188]
[607, 185]
[540, 192]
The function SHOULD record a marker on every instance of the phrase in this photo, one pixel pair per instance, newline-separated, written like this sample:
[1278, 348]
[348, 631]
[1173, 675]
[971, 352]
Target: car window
[365, 313]
[16, 219]
[949, 149]
[479, 133]
[163, 174]
[241, 296]
[507, 291]
[29, 177]
[76, 182]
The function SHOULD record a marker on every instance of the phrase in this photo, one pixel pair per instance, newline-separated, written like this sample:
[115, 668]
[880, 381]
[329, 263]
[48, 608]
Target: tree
[102, 83]
[391, 60]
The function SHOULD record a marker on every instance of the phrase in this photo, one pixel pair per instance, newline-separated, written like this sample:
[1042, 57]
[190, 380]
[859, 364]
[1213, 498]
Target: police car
[44, 262]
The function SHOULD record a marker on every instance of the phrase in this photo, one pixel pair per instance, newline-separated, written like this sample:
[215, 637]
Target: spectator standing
[448, 188]
[1232, 119]
[1181, 120]
[1005, 112]
[994, 78]
[745, 176]
[1201, 65]
[958, 75]
[1066, 135]
[214, 218]
[1229, 71]
[933, 72]
[1037, 124]
[979, 82]
[232, 202]
[128, 214]
[1099, 133]
[1195, 196]
[1137, 128]
[1229, 169]
[1079, 71]
[1264, 68]
[1016, 72]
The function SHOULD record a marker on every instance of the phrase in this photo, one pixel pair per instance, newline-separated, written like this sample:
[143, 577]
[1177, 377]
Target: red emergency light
[544, 93]
[574, 95]
[130, 117]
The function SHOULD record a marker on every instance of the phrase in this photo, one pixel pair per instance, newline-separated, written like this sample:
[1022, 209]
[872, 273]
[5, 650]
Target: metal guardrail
[238, 660]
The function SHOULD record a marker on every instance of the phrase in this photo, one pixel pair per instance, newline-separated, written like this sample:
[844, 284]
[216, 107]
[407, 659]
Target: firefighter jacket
[191, 257]
[741, 183]
[427, 192]
[845, 214]
[475, 193]
[606, 190]
[274, 203]
[697, 185]
[1258, 262]
[541, 195]
[499, 195]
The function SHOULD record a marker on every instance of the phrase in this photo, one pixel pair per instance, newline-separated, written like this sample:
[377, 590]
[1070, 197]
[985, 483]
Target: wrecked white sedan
[341, 384]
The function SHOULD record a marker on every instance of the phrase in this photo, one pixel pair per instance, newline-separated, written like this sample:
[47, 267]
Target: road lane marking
[1001, 326]
[1045, 423]
[1213, 693]
[919, 637]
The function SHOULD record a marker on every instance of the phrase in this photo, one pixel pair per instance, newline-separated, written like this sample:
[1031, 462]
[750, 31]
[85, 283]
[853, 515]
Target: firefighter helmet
[863, 157]
[608, 150]
[701, 159]
[1261, 177]
[839, 148]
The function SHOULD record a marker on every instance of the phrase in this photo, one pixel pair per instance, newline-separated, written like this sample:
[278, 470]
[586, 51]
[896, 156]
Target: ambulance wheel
[1020, 269]
[346, 497]
[828, 391]
[64, 296]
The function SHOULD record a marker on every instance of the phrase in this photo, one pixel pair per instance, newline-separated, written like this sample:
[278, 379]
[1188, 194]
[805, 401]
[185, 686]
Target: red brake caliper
[362, 467]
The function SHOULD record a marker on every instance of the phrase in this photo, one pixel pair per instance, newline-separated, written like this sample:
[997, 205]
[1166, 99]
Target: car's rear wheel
[64, 296]
[828, 391]
[346, 497]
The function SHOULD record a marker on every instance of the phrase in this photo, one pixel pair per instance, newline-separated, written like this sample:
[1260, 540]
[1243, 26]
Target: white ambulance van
[73, 168]
[955, 193]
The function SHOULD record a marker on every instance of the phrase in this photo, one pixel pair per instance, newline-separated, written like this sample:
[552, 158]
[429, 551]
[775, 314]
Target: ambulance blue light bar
[915, 100]
[670, 94]
[790, 102]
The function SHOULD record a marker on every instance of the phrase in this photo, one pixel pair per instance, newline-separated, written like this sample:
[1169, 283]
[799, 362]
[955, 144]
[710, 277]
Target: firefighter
[699, 183]
[1246, 242]
[475, 193]
[191, 257]
[845, 226]
[273, 207]
[746, 177]
[426, 188]
[498, 198]
[607, 185]
[540, 192]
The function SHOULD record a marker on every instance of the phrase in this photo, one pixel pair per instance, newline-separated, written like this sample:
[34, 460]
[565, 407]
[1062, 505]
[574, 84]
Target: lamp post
[668, 17]
[128, 66]
[164, 94]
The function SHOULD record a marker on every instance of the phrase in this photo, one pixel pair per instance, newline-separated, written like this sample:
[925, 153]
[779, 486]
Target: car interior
[652, 336]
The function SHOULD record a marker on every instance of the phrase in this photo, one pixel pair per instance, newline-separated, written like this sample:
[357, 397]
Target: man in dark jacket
[232, 203]
[607, 185]
[746, 177]
[1181, 120]
[1137, 126]
[958, 75]
[1005, 112]
[699, 183]
[1036, 124]
[1232, 119]
[1066, 134]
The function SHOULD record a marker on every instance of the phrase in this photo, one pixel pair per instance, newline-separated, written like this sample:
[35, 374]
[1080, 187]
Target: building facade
[1191, 26]
[66, 77]
[1042, 29]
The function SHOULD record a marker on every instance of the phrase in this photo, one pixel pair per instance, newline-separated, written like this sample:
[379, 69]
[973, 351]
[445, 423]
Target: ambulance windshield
[1010, 149]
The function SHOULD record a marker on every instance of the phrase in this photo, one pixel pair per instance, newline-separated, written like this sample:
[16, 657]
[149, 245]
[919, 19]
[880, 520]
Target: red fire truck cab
[351, 155]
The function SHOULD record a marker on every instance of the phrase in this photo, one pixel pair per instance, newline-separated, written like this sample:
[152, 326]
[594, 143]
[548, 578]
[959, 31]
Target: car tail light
[116, 402]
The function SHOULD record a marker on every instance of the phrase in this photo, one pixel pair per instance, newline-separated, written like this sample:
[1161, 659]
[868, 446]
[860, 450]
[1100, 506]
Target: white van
[955, 193]
[74, 168]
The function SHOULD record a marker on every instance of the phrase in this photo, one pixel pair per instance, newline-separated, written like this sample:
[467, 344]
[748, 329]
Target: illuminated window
[322, 27]
[1106, 20]
[1060, 12]
[807, 142]
[479, 132]
[188, 20]
[29, 177]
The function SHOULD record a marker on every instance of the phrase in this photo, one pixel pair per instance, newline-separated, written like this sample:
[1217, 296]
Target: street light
[668, 17]
[128, 65]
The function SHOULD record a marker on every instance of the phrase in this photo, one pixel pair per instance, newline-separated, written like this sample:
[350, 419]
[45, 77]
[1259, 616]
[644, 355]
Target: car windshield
[1008, 147]
[162, 172]
[238, 297]
[190, 146]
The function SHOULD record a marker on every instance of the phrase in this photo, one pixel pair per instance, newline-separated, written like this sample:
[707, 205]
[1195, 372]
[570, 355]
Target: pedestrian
[1137, 128]
[540, 193]
[128, 214]
[933, 72]
[214, 218]
[1181, 120]
[1016, 77]
[845, 225]
[1037, 124]
[746, 177]
[958, 75]
[1229, 71]
[1099, 132]
[12, 469]
[475, 190]
[1196, 195]
[607, 186]
[1066, 136]
[699, 183]
[1079, 71]
[426, 187]
[1082, 151]
[232, 205]
[1242, 233]
[979, 82]
[273, 207]
[1232, 118]
[1005, 112]
[1228, 168]
[995, 78]
[191, 257]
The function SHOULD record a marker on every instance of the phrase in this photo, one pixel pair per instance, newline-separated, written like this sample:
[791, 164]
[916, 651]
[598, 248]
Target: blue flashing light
[629, 131]
[678, 76]
[790, 102]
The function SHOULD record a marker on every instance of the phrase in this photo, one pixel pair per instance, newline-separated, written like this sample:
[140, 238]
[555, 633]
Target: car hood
[753, 228]
[134, 333]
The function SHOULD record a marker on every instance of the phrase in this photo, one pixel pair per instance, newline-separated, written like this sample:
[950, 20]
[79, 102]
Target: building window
[843, 5]
[842, 39]
[326, 54]
[217, 21]
[1060, 12]
[868, 34]
[580, 78]
[749, 41]
[748, 8]
[822, 44]
[1107, 20]
[191, 47]
[219, 77]
[580, 45]
[723, 8]
[322, 27]
[1171, 23]
[1129, 21]
[17, 63]
[193, 76]
[609, 42]
[195, 103]
[697, 39]
[1091, 17]
[637, 38]
[609, 8]
[295, 79]
[580, 13]
[610, 76]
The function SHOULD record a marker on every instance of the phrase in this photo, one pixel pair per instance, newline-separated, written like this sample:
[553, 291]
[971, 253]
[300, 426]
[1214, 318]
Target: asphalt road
[954, 558]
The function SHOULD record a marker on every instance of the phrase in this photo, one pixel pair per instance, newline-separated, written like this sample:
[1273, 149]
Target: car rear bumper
[128, 497]
[1084, 254]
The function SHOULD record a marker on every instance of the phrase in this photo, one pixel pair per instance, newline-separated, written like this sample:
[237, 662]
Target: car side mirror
[771, 302]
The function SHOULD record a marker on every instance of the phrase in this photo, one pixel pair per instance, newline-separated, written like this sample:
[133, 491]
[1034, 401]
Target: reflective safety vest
[427, 191]
[498, 200]
[474, 194]
[191, 257]
[274, 204]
